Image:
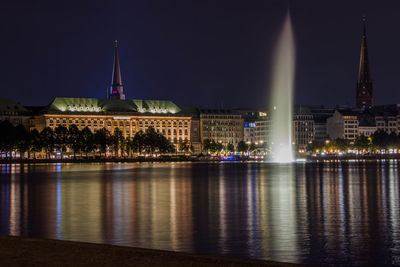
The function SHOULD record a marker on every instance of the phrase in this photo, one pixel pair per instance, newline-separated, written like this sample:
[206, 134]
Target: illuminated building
[130, 116]
[221, 125]
[320, 115]
[387, 118]
[13, 112]
[249, 130]
[303, 126]
[343, 124]
[262, 128]
[366, 130]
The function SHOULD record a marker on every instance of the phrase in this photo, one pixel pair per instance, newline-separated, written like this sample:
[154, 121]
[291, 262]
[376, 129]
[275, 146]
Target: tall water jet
[281, 97]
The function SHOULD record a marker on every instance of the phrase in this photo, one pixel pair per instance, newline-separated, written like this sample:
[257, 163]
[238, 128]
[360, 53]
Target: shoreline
[23, 251]
[310, 159]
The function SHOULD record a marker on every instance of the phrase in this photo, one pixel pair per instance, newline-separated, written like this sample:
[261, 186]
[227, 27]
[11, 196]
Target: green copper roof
[66, 104]
[9, 105]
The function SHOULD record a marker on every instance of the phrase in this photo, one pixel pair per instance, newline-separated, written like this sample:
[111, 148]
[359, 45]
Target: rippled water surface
[319, 213]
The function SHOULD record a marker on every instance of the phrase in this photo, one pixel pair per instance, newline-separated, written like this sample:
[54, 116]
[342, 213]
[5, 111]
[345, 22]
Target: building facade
[303, 127]
[221, 125]
[263, 128]
[249, 133]
[320, 115]
[13, 112]
[129, 116]
[343, 124]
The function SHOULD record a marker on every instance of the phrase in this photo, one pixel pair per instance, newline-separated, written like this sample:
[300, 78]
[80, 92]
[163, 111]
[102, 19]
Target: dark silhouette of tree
[75, 141]
[47, 140]
[117, 141]
[340, 144]
[207, 145]
[212, 146]
[150, 140]
[34, 143]
[242, 146]
[61, 139]
[380, 139]
[88, 144]
[22, 139]
[7, 138]
[230, 147]
[184, 146]
[137, 142]
[102, 140]
[252, 147]
[362, 142]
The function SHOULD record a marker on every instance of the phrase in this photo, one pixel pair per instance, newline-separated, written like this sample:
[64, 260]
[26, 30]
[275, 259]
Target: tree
[242, 146]
[22, 141]
[150, 140]
[380, 139]
[252, 147]
[137, 142]
[155, 142]
[230, 147]
[87, 141]
[218, 146]
[75, 141]
[362, 143]
[392, 141]
[7, 137]
[340, 144]
[61, 139]
[34, 143]
[184, 146]
[315, 146]
[163, 145]
[207, 145]
[47, 140]
[102, 139]
[116, 141]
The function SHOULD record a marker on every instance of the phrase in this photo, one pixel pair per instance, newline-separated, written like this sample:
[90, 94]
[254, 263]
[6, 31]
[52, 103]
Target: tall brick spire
[364, 97]
[117, 90]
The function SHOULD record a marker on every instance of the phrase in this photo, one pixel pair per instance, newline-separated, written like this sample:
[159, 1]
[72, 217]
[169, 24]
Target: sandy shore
[17, 251]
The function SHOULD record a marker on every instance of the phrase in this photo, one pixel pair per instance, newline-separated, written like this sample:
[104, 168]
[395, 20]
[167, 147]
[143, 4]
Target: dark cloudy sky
[208, 53]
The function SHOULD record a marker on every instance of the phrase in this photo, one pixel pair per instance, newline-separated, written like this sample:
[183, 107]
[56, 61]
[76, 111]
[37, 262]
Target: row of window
[220, 135]
[230, 123]
[101, 121]
[221, 117]
[224, 129]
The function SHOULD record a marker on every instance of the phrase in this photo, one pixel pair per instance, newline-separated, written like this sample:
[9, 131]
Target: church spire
[364, 97]
[117, 90]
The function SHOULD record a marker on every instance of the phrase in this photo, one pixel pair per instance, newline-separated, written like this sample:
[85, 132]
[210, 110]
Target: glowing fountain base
[282, 154]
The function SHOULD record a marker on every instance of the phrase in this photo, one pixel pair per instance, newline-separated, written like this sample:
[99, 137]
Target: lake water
[316, 213]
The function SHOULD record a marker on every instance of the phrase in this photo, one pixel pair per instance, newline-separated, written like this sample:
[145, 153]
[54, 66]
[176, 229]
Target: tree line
[82, 142]
[211, 146]
[380, 140]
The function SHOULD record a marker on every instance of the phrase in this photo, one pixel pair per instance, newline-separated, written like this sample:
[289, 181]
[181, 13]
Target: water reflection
[320, 213]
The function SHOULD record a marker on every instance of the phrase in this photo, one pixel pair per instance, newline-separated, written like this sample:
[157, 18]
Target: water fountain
[281, 96]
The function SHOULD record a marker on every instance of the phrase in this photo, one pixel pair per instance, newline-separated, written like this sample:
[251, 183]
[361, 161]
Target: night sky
[204, 53]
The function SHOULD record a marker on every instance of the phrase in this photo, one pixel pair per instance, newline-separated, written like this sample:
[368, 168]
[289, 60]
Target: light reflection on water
[320, 213]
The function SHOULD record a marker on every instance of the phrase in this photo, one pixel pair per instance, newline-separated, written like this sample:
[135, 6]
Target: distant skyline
[195, 53]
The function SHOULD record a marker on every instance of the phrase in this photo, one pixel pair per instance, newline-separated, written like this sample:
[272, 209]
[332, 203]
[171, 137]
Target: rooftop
[11, 106]
[95, 105]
